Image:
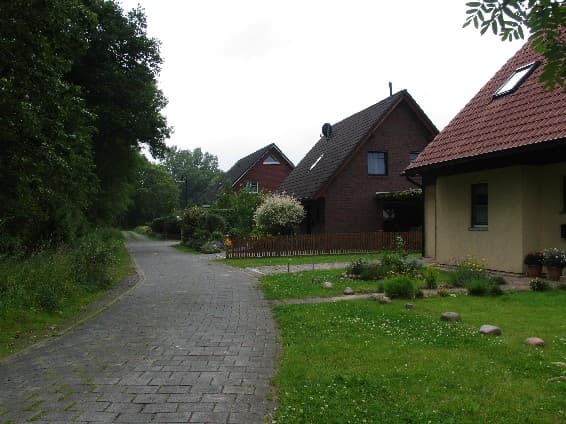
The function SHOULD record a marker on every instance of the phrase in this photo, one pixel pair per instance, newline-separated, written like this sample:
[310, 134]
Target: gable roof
[241, 167]
[328, 155]
[486, 126]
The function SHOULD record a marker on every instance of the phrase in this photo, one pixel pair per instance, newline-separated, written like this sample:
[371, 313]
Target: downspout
[421, 186]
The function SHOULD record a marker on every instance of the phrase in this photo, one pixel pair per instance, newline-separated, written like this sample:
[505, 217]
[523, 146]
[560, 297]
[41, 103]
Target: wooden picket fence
[322, 244]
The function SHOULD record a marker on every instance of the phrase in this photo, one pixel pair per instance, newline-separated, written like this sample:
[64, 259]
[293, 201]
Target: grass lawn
[185, 249]
[300, 260]
[362, 362]
[309, 284]
[25, 322]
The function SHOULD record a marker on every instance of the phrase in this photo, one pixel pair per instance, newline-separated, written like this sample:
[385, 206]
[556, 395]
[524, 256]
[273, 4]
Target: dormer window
[516, 79]
[270, 160]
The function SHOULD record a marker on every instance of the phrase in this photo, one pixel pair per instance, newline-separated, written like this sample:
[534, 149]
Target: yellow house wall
[524, 214]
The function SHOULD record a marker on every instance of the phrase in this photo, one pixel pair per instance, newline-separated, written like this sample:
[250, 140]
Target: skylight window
[516, 79]
[316, 162]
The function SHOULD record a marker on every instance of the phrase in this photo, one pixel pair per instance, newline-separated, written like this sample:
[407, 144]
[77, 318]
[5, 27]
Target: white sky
[242, 74]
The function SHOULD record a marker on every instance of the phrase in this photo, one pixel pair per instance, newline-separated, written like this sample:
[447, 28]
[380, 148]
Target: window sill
[478, 228]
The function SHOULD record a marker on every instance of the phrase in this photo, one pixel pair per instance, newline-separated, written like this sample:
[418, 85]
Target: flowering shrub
[279, 214]
[468, 269]
[554, 257]
[533, 258]
[537, 284]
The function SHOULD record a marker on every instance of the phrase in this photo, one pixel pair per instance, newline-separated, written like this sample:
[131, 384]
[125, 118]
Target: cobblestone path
[193, 342]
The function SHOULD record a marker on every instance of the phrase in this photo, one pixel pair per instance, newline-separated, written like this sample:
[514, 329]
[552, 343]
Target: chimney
[390, 88]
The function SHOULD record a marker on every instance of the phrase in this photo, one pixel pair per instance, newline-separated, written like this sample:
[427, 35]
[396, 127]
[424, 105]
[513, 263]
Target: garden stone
[409, 306]
[559, 364]
[327, 285]
[534, 341]
[384, 300]
[450, 316]
[348, 291]
[490, 329]
[559, 378]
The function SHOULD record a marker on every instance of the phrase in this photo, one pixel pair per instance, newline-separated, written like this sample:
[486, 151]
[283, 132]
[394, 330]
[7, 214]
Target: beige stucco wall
[524, 214]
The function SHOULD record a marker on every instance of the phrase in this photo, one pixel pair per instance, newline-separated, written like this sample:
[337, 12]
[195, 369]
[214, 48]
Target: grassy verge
[301, 260]
[39, 293]
[185, 249]
[309, 284]
[362, 362]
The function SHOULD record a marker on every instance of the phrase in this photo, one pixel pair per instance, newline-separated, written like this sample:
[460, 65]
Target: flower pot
[534, 271]
[553, 273]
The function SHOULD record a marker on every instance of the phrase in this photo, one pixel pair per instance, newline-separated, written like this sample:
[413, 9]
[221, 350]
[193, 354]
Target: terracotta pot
[553, 273]
[534, 271]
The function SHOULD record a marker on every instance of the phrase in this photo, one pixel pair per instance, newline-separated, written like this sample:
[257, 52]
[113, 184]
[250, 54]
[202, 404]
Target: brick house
[495, 178]
[340, 178]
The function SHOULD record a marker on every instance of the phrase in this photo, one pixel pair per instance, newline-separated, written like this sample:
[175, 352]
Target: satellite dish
[327, 130]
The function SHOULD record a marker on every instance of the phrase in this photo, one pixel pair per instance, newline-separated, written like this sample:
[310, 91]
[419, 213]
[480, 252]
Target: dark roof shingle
[304, 182]
[530, 115]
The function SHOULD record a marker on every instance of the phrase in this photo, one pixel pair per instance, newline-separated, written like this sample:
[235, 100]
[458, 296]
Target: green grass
[360, 361]
[309, 284]
[186, 249]
[40, 293]
[301, 260]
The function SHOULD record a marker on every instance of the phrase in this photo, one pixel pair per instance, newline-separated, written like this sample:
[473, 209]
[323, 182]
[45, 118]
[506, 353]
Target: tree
[279, 214]
[196, 170]
[238, 207]
[118, 75]
[545, 19]
[156, 194]
[46, 169]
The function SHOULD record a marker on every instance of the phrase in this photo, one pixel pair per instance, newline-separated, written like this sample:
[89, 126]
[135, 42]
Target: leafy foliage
[195, 170]
[279, 214]
[200, 225]
[156, 194]
[238, 209]
[545, 19]
[400, 287]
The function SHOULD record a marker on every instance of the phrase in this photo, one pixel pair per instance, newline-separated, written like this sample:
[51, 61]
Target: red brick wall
[269, 176]
[350, 204]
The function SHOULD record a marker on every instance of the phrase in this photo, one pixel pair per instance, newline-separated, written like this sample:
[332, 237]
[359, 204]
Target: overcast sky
[242, 74]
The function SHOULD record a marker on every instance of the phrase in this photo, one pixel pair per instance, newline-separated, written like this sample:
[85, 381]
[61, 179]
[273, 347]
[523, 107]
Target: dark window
[377, 163]
[479, 205]
[563, 194]
[252, 186]
[516, 79]
[413, 156]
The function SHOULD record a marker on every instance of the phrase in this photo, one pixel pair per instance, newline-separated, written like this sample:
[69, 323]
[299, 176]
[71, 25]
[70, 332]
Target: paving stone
[193, 342]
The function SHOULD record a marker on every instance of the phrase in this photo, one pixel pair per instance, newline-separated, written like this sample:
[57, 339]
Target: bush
[495, 290]
[467, 270]
[400, 287]
[356, 267]
[375, 272]
[538, 284]
[167, 225]
[498, 280]
[279, 214]
[477, 287]
[430, 277]
[92, 258]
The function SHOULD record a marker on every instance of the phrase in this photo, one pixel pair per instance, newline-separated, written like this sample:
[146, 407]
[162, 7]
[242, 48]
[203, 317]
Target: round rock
[348, 291]
[384, 300]
[490, 329]
[450, 316]
[409, 306]
[327, 285]
[534, 341]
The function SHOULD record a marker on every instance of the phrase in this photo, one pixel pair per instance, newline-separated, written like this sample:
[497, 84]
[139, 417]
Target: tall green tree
[157, 193]
[546, 21]
[46, 168]
[118, 75]
[196, 171]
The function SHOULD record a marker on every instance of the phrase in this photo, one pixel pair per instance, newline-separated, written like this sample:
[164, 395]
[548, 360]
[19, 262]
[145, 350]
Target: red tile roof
[530, 115]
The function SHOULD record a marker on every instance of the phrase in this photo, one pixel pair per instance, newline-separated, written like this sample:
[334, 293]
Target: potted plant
[554, 259]
[533, 261]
